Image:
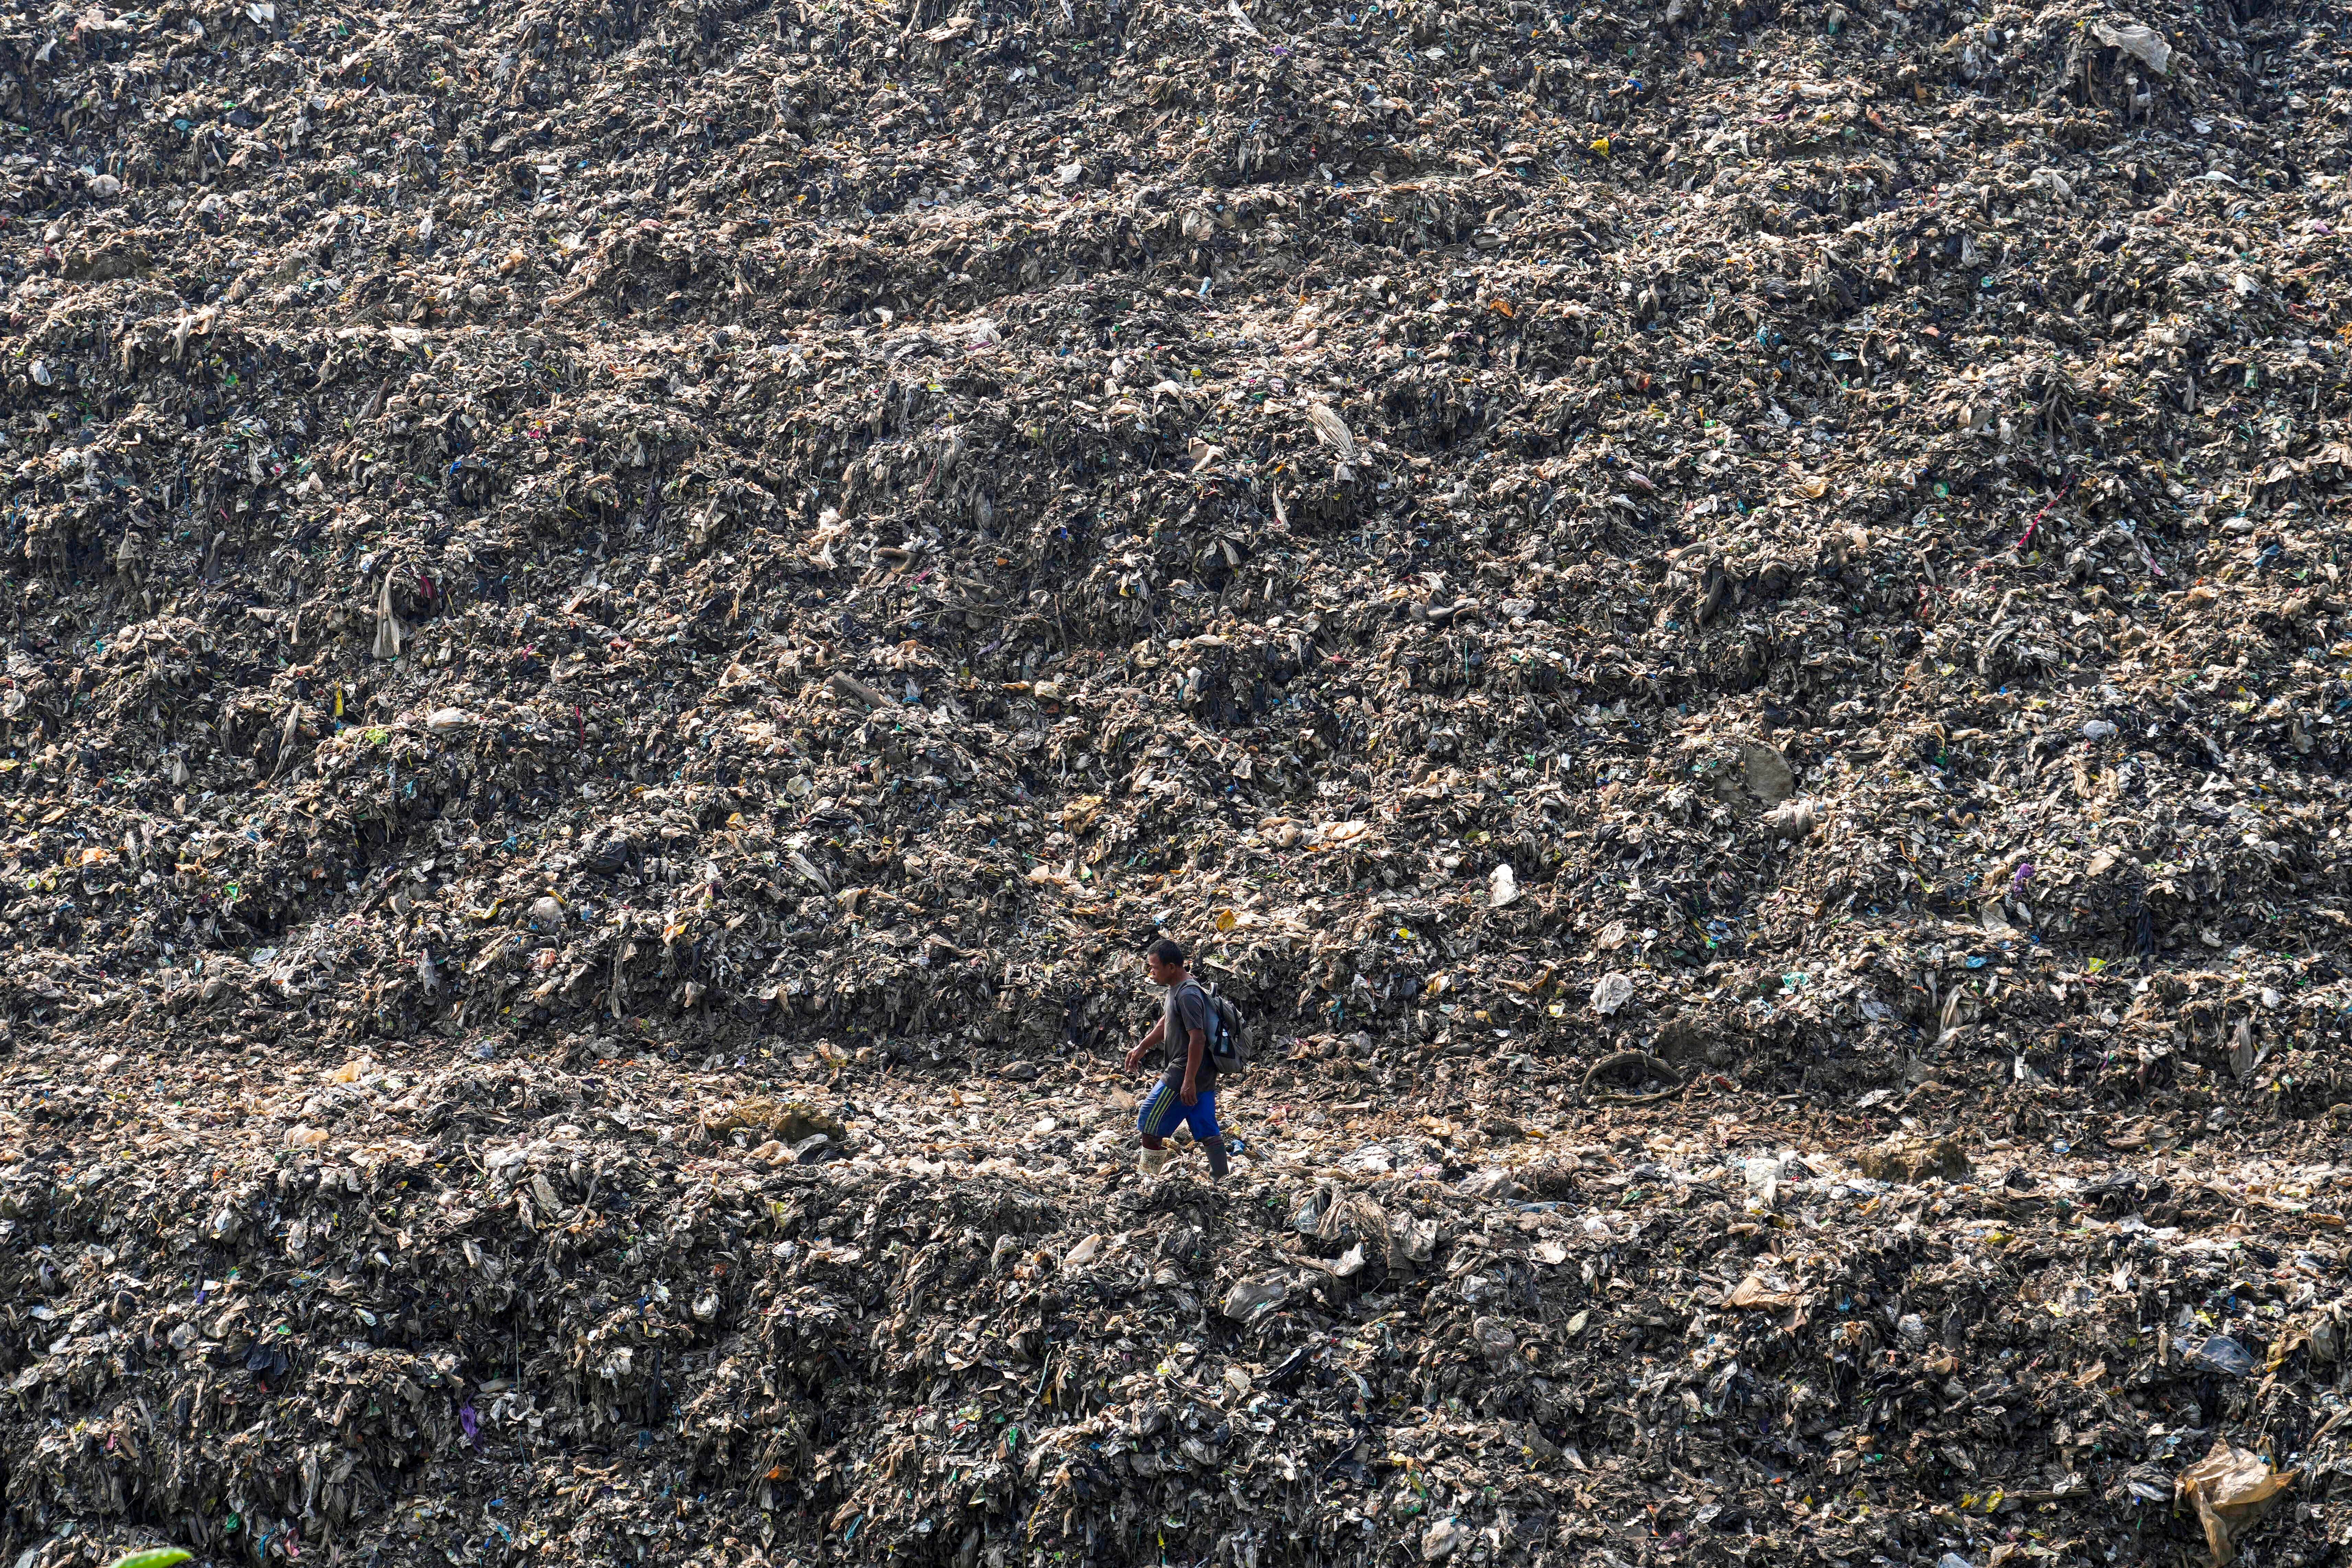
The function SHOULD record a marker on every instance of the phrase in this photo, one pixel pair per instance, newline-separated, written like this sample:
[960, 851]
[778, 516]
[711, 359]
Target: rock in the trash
[1443, 1539]
[1914, 1159]
[1494, 1339]
[1767, 773]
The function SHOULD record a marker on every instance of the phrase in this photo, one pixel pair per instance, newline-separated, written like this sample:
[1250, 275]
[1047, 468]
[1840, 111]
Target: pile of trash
[635, 1311]
[1726, 622]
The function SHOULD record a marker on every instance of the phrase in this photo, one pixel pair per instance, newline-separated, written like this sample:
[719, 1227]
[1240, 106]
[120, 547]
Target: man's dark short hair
[1166, 950]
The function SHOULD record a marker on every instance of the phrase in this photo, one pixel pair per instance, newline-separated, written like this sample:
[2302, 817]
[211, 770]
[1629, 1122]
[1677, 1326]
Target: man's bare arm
[1158, 1032]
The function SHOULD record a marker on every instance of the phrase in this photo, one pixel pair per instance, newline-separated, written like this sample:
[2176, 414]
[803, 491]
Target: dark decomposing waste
[1726, 621]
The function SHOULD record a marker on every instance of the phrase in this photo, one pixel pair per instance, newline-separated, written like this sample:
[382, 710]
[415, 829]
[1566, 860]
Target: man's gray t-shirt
[1187, 1009]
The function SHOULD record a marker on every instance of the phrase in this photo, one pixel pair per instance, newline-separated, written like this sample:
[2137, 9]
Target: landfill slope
[1725, 621]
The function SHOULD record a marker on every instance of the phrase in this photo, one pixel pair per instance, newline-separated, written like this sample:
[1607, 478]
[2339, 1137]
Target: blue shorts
[1164, 1112]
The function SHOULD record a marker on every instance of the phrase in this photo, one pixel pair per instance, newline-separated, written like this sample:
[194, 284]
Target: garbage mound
[1724, 620]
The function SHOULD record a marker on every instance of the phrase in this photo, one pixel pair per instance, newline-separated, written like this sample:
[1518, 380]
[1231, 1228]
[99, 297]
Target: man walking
[1186, 1093]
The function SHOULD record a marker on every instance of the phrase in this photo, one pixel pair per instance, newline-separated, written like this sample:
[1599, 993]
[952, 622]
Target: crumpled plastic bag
[2143, 43]
[2232, 1489]
[1610, 992]
[2223, 1354]
[1753, 1292]
[1252, 1299]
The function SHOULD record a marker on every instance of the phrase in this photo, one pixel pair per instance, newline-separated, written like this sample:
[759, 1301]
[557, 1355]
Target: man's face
[1161, 972]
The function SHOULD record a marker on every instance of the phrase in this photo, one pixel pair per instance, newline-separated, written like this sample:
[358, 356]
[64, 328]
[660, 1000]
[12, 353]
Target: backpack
[1231, 1039]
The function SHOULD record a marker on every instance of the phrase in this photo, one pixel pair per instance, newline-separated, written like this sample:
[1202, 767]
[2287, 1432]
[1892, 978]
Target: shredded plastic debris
[1726, 622]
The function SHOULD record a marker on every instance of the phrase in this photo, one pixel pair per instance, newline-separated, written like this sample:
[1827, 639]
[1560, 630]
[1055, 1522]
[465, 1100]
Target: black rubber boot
[1218, 1164]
